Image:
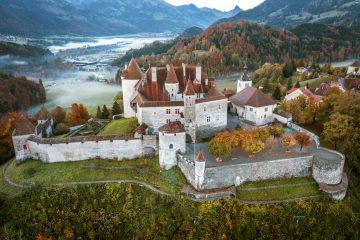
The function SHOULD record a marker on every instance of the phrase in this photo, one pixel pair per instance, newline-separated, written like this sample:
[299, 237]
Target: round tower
[172, 139]
[244, 81]
[132, 75]
[199, 170]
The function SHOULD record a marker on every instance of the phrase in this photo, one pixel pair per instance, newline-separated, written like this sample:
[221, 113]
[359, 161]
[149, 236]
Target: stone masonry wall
[225, 176]
[188, 168]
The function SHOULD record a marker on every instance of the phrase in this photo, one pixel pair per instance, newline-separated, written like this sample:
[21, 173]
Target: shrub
[261, 134]
[219, 148]
[276, 130]
[133, 124]
[61, 128]
[287, 141]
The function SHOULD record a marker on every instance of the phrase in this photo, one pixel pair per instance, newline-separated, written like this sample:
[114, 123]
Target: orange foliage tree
[270, 142]
[78, 114]
[287, 141]
[252, 146]
[303, 139]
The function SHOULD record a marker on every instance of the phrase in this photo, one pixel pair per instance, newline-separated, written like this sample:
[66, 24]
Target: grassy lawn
[142, 169]
[313, 83]
[5, 188]
[116, 127]
[277, 190]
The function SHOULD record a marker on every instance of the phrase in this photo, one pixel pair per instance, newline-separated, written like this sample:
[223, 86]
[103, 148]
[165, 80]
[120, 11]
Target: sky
[224, 5]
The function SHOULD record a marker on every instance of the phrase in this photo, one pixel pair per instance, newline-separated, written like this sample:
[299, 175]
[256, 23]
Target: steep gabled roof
[189, 90]
[133, 71]
[171, 77]
[200, 156]
[172, 127]
[42, 114]
[253, 97]
[24, 127]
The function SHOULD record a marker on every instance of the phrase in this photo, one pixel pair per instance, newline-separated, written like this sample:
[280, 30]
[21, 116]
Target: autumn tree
[261, 134]
[338, 128]
[78, 114]
[252, 146]
[287, 141]
[59, 115]
[61, 128]
[270, 142]
[277, 92]
[218, 148]
[276, 130]
[303, 139]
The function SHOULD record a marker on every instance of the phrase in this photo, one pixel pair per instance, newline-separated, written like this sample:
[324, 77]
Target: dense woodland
[225, 48]
[20, 50]
[18, 93]
[131, 212]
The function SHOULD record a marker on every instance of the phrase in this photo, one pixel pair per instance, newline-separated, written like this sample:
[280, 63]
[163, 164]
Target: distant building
[323, 87]
[350, 84]
[302, 70]
[253, 105]
[45, 123]
[166, 94]
[302, 91]
[244, 81]
[354, 69]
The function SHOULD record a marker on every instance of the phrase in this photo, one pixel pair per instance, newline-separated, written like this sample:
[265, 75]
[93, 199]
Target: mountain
[224, 48]
[101, 17]
[286, 13]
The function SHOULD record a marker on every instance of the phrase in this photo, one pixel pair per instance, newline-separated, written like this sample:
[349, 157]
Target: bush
[276, 130]
[61, 128]
[218, 148]
[261, 134]
[133, 124]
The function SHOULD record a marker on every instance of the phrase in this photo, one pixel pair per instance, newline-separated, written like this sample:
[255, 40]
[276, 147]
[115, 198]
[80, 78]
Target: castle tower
[244, 81]
[189, 110]
[24, 129]
[132, 75]
[172, 84]
[198, 73]
[172, 139]
[199, 170]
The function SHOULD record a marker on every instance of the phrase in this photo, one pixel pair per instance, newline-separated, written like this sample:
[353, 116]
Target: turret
[172, 139]
[132, 75]
[198, 73]
[189, 109]
[172, 84]
[199, 170]
[244, 81]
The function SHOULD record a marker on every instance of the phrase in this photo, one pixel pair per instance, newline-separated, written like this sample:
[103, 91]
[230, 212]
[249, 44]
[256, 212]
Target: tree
[78, 114]
[40, 82]
[116, 109]
[252, 146]
[132, 124]
[277, 92]
[338, 128]
[270, 142]
[303, 139]
[59, 115]
[287, 141]
[289, 84]
[118, 97]
[261, 134]
[276, 130]
[266, 86]
[105, 112]
[297, 85]
[61, 128]
[98, 113]
[218, 148]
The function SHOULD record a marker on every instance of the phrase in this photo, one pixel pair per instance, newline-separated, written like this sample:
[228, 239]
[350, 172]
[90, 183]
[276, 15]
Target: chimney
[153, 74]
[198, 72]
[167, 67]
[206, 81]
[184, 69]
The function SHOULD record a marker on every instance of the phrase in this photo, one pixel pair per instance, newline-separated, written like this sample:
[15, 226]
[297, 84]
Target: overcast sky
[224, 5]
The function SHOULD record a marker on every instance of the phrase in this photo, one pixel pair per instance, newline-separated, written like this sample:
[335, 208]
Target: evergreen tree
[40, 82]
[307, 85]
[297, 85]
[98, 113]
[116, 109]
[105, 112]
[277, 93]
[289, 84]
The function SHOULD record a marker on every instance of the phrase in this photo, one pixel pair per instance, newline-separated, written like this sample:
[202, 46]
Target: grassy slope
[5, 188]
[313, 83]
[142, 169]
[116, 127]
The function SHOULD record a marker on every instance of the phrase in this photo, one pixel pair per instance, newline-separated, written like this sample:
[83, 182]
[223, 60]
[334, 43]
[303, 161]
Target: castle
[175, 106]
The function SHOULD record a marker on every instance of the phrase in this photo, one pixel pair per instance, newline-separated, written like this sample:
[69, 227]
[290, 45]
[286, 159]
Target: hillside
[101, 17]
[19, 50]
[285, 13]
[18, 93]
[223, 48]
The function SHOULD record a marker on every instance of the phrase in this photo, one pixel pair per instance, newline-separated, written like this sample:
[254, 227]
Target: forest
[19, 50]
[226, 47]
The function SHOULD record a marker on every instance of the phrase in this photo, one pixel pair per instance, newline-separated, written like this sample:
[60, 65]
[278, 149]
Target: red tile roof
[171, 77]
[200, 156]
[24, 127]
[172, 127]
[189, 90]
[251, 96]
[133, 71]
[291, 90]
[229, 92]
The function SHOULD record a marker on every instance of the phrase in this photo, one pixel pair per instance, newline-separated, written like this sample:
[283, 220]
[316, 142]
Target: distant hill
[224, 48]
[190, 32]
[18, 93]
[101, 17]
[286, 13]
[19, 50]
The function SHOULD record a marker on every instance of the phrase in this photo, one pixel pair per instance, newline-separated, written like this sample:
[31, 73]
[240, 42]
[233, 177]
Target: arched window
[171, 146]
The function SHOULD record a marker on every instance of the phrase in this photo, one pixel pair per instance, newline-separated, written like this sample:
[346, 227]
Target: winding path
[151, 188]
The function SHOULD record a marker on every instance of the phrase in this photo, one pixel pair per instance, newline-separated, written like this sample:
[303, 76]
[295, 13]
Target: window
[25, 147]
[177, 111]
[266, 109]
[168, 111]
[208, 119]
[204, 109]
[171, 146]
[167, 120]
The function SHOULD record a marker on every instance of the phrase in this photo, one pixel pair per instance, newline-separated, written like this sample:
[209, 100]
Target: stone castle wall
[188, 168]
